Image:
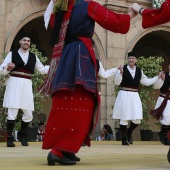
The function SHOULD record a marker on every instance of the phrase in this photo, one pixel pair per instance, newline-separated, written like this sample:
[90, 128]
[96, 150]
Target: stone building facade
[111, 48]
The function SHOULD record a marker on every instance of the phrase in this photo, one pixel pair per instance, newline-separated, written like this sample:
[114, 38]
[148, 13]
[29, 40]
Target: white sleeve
[47, 13]
[118, 78]
[158, 84]
[40, 67]
[148, 81]
[108, 73]
[4, 65]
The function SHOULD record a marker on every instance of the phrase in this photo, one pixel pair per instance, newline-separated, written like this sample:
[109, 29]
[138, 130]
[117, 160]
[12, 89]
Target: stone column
[2, 27]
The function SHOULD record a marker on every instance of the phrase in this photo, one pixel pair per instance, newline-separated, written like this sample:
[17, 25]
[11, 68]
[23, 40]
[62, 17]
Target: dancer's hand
[10, 66]
[121, 69]
[54, 1]
[137, 8]
[131, 12]
[163, 76]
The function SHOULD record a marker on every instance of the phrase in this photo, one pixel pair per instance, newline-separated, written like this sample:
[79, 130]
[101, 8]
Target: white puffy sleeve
[118, 78]
[40, 67]
[148, 81]
[108, 73]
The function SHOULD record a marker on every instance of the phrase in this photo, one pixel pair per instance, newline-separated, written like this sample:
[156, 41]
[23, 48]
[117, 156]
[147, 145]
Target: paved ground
[100, 156]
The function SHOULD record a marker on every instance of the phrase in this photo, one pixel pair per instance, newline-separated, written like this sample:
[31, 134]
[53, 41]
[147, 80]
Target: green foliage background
[37, 80]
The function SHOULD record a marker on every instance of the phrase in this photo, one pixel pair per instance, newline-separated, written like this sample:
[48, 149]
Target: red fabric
[52, 19]
[153, 17]
[169, 134]
[88, 43]
[157, 113]
[100, 14]
[70, 120]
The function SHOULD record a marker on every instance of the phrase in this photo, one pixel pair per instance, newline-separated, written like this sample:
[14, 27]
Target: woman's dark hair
[108, 128]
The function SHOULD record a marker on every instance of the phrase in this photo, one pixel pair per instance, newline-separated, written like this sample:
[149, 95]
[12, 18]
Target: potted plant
[37, 80]
[150, 67]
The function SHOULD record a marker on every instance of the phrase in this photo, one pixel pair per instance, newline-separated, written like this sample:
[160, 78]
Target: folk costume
[162, 108]
[128, 105]
[18, 93]
[72, 79]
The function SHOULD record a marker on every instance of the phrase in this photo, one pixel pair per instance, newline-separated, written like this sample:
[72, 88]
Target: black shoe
[166, 141]
[22, 139]
[168, 156]
[10, 143]
[62, 161]
[124, 141]
[129, 138]
[71, 156]
[161, 137]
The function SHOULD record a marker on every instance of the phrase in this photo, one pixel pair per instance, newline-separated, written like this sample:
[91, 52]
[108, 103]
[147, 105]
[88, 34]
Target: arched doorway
[156, 43]
[39, 36]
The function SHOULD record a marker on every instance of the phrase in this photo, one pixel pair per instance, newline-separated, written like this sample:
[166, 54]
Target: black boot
[165, 134]
[52, 158]
[161, 137]
[123, 129]
[20, 135]
[10, 127]
[168, 156]
[129, 132]
[71, 156]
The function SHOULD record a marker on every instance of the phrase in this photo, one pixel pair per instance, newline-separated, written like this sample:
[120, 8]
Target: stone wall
[112, 48]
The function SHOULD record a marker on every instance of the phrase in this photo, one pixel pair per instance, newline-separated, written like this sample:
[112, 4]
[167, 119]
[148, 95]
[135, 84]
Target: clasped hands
[134, 9]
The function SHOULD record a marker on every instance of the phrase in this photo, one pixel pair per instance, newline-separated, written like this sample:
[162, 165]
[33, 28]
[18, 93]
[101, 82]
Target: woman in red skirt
[72, 78]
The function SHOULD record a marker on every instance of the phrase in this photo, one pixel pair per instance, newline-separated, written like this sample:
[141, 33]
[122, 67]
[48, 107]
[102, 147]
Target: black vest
[166, 84]
[19, 63]
[127, 79]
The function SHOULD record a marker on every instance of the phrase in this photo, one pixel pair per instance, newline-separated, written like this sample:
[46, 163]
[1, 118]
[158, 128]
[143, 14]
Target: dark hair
[108, 128]
[168, 63]
[25, 34]
[41, 123]
[131, 54]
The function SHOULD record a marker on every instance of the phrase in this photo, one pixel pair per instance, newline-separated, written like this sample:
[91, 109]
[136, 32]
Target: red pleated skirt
[70, 120]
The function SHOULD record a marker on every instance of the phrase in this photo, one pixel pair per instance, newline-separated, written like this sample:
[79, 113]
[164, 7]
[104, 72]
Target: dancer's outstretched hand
[137, 8]
[131, 12]
[10, 66]
[54, 1]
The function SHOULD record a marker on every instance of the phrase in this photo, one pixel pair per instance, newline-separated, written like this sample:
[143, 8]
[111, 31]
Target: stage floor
[100, 156]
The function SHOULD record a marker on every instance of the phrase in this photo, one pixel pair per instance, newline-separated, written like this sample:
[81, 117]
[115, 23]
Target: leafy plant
[150, 66]
[37, 80]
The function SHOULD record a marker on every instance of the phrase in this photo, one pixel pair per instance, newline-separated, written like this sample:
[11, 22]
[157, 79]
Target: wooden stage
[103, 155]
